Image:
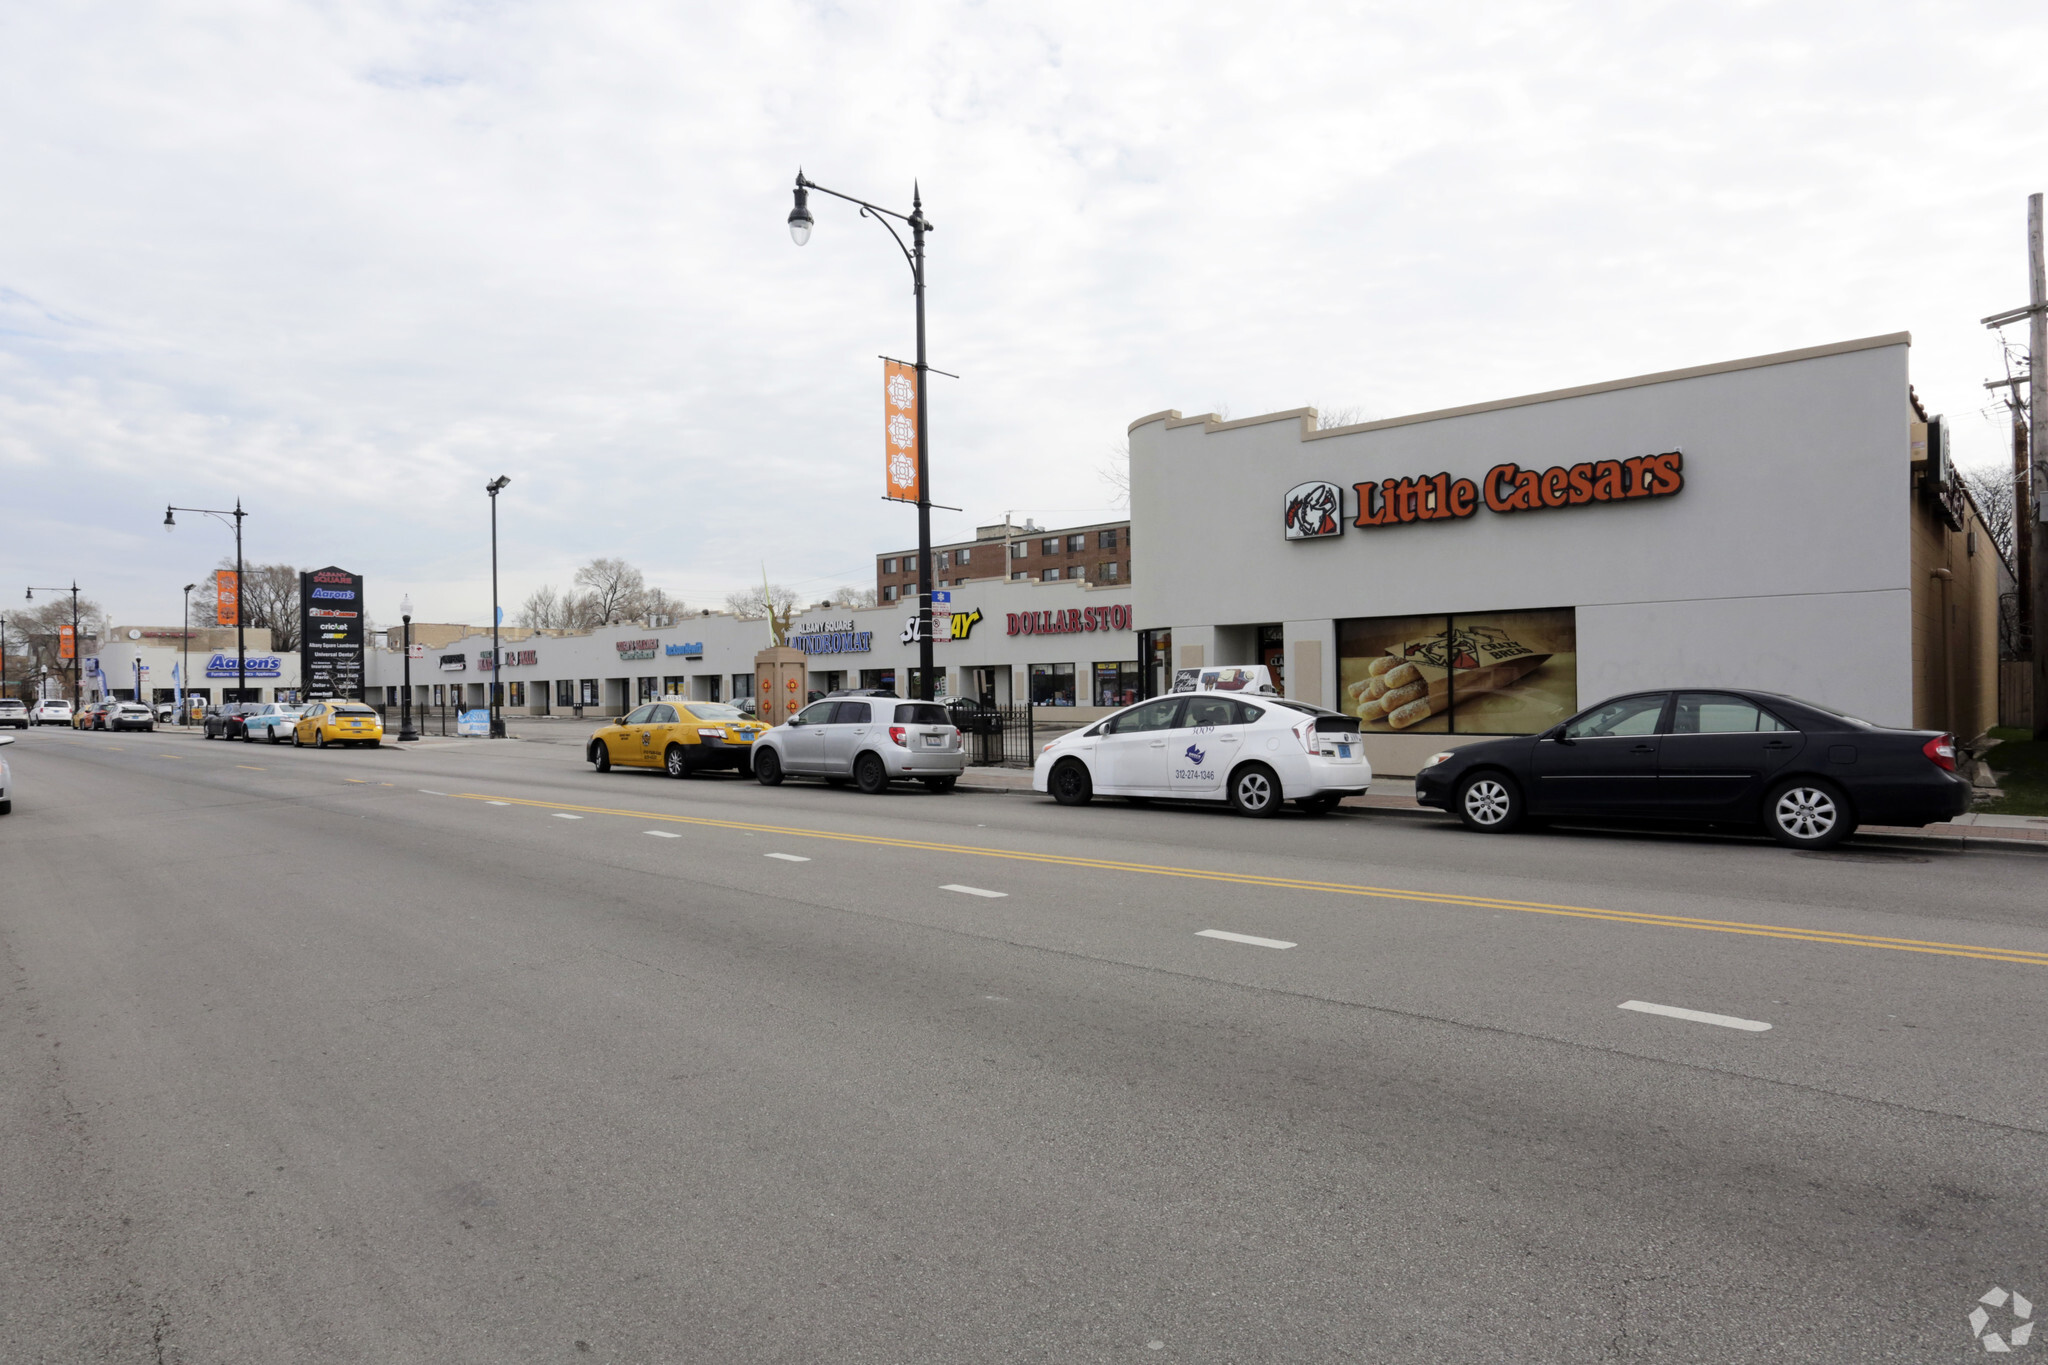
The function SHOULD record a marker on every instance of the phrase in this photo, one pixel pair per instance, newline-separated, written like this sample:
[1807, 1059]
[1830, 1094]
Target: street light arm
[881, 215]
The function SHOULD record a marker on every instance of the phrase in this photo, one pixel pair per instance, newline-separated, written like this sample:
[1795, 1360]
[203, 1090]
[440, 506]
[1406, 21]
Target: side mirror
[1556, 733]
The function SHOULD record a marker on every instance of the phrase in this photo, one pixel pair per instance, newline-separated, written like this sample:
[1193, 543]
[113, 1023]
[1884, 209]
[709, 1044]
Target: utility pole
[2031, 510]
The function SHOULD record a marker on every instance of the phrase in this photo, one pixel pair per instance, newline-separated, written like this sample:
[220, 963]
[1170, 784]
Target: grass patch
[2021, 764]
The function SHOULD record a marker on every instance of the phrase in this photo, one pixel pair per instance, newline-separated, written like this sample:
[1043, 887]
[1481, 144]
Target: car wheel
[1807, 812]
[7, 807]
[273, 736]
[768, 767]
[601, 756]
[677, 761]
[1070, 783]
[940, 784]
[1490, 803]
[1255, 791]
[319, 739]
[1319, 805]
[870, 774]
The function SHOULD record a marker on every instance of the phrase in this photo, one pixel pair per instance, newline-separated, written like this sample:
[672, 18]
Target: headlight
[1435, 759]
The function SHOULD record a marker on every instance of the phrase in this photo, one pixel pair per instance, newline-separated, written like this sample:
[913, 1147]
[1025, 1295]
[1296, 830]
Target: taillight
[896, 733]
[1941, 751]
[1306, 733]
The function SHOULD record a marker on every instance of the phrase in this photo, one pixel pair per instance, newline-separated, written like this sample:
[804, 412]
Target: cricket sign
[899, 430]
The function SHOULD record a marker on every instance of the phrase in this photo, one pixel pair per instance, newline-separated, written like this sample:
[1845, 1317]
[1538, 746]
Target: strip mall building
[1783, 522]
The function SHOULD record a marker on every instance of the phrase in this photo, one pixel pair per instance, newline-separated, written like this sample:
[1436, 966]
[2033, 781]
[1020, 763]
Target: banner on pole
[227, 598]
[67, 643]
[899, 429]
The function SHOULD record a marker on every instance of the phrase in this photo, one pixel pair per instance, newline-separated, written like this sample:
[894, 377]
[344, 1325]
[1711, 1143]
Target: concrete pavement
[469, 1053]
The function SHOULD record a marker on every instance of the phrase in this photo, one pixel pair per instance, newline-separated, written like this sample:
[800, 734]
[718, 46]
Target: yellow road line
[2024, 956]
[252, 769]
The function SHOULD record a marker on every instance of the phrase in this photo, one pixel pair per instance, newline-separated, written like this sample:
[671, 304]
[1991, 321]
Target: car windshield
[714, 710]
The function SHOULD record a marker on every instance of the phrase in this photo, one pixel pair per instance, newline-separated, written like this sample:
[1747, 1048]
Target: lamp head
[495, 484]
[169, 519]
[190, 586]
[800, 216]
[405, 606]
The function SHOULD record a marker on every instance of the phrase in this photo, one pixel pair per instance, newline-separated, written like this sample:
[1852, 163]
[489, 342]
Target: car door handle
[1643, 749]
[1777, 744]
[1159, 744]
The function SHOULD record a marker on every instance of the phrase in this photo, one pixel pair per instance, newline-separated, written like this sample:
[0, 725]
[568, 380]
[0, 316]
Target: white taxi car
[6, 781]
[1254, 751]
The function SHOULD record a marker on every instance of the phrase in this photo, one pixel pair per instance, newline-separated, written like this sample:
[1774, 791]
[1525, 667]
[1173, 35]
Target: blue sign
[942, 597]
[695, 651]
[835, 642]
[258, 666]
[473, 723]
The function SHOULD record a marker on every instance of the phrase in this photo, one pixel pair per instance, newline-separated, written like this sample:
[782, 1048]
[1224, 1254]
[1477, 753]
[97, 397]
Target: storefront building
[1759, 523]
[1067, 648]
[154, 660]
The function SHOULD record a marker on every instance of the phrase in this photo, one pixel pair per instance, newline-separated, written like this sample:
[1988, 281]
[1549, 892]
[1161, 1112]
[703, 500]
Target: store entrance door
[986, 686]
[1273, 654]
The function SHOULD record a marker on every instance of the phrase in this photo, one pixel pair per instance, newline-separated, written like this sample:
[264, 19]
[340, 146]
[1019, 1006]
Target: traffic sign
[942, 597]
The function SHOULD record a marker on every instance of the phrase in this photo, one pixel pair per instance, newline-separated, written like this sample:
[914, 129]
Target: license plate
[934, 741]
[1343, 751]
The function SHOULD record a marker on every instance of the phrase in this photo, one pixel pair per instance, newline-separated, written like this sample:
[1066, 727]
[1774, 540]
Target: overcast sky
[348, 262]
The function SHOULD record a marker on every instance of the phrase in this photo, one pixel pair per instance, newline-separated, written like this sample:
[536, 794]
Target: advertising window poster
[1475, 673]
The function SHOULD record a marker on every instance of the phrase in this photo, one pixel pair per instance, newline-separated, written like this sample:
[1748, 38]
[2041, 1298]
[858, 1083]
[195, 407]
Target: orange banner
[227, 598]
[67, 643]
[899, 429]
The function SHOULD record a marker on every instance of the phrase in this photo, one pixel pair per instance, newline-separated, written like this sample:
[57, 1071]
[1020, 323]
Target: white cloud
[347, 263]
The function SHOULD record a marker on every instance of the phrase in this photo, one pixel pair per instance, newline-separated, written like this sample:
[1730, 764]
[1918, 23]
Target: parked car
[93, 716]
[337, 721]
[225, 720]
[129, 715]
[6, 781]
[13, 713]
[272, 721]
[744, 705]
[680, 736]
[874, 739]
[166, 712]
[1254, 752]
[53, 711]
[1807, 773]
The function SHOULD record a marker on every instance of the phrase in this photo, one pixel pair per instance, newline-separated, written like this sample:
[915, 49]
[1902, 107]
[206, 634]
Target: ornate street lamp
[241, 615]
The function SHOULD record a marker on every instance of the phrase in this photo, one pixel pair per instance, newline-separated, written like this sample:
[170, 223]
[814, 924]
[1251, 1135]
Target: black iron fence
[996, 736]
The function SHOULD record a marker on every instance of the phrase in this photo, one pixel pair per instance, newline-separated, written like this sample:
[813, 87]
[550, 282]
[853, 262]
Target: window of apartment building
[1078, 571]
[1052, 684]
[1105, 573]
[1106, 540]
[1051, 576]
[1019, 576]
[1076, 544]
[1019, 549]
[942, 560]
[889, 566]
[960, 556]
[889, 593]
[1051, 546]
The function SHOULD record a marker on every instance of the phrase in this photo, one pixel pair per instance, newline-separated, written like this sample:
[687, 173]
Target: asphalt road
[467, 1053]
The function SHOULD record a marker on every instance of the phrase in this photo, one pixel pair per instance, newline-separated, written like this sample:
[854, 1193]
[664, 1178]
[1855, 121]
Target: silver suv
[12, 712]
[874, 740]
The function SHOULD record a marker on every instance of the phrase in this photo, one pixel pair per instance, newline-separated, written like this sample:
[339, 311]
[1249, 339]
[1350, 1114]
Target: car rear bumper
[1335, 776]
[1925, 801]
[912, 763]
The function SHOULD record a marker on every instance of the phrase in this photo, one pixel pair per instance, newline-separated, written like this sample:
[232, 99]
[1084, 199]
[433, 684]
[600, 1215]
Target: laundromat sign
[1315, 510]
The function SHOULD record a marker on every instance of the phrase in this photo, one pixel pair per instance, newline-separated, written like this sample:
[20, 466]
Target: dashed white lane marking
[661, 834]
[1252, 939]
[564, 815]
[497, 803]
[1697, 1016]
[424, 792]
[974, 891]
[786, 857]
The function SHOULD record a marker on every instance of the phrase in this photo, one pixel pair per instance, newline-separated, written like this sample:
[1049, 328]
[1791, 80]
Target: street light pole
[406, 733]
[800, 221]
[241, 616]
[76, 643]
[185, 672]
[497, 718]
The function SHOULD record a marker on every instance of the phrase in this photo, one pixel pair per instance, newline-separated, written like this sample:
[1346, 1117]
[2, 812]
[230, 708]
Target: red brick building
[1099, 552]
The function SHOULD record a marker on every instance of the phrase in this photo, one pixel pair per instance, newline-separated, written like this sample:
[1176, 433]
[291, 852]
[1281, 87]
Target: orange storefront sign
[227, 598]
[899, 429]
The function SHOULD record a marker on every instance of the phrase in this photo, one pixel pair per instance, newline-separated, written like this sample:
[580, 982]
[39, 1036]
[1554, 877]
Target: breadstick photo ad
[1488, 673]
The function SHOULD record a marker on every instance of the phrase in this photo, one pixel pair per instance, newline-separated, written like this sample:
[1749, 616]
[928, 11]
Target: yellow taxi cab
[338, 720]
[678, 735]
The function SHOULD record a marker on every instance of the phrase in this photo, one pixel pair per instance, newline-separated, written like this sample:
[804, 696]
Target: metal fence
[997, 736]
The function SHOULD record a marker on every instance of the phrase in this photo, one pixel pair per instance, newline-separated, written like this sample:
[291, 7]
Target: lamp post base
[407, 735]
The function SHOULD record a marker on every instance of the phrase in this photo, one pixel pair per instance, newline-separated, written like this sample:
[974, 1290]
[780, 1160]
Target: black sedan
[1807, 774]
[225, 721]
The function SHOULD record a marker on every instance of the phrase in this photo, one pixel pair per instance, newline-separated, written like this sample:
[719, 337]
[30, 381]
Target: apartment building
[1098, 553]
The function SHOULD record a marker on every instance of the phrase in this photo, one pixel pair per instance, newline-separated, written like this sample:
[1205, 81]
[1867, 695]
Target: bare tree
[542, 609]
[1991, 489]
[1115, 470]
[1339, 415]
[757, 604]
[39, 630]
[616, 590]
[270, 601]
[657, 608]
[851, 598]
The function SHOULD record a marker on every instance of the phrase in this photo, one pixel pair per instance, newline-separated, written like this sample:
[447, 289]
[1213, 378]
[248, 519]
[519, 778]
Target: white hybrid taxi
[1255, 751]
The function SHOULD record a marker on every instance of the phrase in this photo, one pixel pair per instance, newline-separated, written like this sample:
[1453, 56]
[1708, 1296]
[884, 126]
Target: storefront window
[742, 685]
[440, 694]
[916, 675]
[878, 677]
[586, 692]
[1155, 662]
[565, 692]
[1052, 684]
[515, 694]
[1116, 684]
[1479, 673]
[675, 685]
